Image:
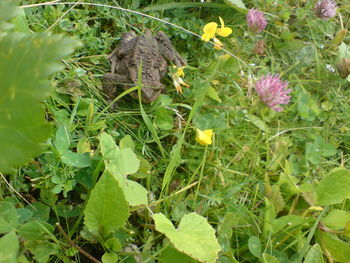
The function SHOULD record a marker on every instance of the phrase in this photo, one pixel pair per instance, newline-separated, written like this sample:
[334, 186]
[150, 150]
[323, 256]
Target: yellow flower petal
[180, 72]
[315, 208]
[223, 31]
[205, 37]
[178, 86]
[221, 22]
[204, 137]
[210, 30]
[218, 44]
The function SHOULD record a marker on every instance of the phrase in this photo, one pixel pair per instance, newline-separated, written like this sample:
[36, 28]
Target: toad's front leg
[110, 83]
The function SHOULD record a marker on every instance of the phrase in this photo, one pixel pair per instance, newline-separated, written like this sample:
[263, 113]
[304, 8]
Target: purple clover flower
[273, 91]
[256, 21]
[325, 9]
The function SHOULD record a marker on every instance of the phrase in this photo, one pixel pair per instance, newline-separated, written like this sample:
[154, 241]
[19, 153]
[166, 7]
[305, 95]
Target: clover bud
[256, 21]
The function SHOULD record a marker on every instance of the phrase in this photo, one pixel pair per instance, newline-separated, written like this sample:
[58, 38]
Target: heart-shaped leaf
[194, 237]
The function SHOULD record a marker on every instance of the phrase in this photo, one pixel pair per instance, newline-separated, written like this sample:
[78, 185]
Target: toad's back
[154, 66]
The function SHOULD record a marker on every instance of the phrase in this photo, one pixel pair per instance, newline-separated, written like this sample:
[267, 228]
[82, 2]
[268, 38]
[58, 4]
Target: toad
[153, 51]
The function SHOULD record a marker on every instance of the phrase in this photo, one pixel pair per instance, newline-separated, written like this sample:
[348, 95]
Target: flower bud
[256, 21]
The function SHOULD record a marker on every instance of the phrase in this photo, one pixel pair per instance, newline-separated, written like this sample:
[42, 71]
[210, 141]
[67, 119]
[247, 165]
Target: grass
[257, 184]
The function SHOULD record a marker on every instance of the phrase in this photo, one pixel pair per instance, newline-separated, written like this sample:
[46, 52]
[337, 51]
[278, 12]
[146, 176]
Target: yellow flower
[223, 31]
[204, 137]
[178, 81]
[218, 44]
[315, 208]
[209, 31]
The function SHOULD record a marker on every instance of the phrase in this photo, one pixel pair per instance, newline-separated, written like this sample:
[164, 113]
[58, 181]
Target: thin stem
[70, 241]
[137, 13]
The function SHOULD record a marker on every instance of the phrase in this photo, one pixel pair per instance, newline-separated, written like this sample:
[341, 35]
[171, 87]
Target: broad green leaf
[26, 63]
[213, 94]
[34, 230]
[194, 236]
[23, 214]
[109, 258]
[78, 160]
[113, 244]
[8, 10]
[269, 259]
[171, 255]
[257, 122]
[135, 193]
[120, 162]
[254, 246]
[314, 255]
[127, 142]
[336, 219]
[20, 22]
[40, 211]
[313, 153]
[339, 250]
[285, 222]
[42, 250]
[107, 209]
[8, 217]
[307, 107]
[9, 247]
[334, 187]
[163, 119]
[62, 139]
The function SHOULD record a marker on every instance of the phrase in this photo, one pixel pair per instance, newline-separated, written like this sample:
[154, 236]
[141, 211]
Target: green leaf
[8, 217]
[34, 230]
[120, 163]
[314, 255]
[127, 142]
[109, 258]
[194, 236]
[339, 250]
[40, 211]
[336, 219]
[42, 250]
[62, 139]
[283, 223]
[135, 193]
[211, 92]
[8, 10]
[254, 246]
[163, 119]
[26, 63]
[269, 259]
[334, 187]
[9, 248]
[20, 22]
[107, 209]
[171, 255]
[257, 122]
[78, 160]
[307, 107]
[313, 153]
[113, 244]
